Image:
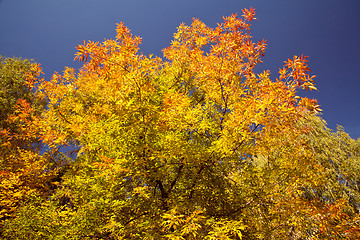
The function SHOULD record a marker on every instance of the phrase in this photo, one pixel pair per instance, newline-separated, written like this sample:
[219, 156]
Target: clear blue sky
[328, 31]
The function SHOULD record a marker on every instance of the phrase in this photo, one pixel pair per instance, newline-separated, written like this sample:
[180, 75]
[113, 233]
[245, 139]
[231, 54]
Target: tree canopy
[22, 167]
[196, 145]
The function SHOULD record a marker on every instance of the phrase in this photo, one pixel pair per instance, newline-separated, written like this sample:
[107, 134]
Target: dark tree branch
[134, 218]
[176, 178]
[164, 195]
[195, 181]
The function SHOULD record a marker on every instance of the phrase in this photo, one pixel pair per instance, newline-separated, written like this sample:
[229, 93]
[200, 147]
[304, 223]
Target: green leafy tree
[336, 196]
[23, 171]
[14, 73]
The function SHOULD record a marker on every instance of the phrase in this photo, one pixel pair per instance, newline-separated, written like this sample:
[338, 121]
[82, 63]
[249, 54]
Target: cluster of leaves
[23, 170]
[197, 146]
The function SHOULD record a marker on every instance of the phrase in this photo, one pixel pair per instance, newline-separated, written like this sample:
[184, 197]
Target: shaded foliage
[23, 170]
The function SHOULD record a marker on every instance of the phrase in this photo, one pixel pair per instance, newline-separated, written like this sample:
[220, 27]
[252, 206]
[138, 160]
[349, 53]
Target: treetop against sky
[326, 31]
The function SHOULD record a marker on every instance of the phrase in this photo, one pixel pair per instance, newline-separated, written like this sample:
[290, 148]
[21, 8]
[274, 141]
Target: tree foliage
[16, 78]
[23, 170]
[193, 146]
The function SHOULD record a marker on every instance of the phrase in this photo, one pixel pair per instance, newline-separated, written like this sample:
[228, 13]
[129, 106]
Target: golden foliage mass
[196, 145]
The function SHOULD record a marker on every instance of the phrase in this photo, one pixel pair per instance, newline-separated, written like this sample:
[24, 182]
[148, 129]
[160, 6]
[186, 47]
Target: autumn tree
[14, 86]
[193, 146]
[22, 168]
[335, 198]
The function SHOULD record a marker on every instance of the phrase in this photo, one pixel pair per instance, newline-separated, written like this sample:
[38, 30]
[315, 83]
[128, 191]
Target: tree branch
[176, 178]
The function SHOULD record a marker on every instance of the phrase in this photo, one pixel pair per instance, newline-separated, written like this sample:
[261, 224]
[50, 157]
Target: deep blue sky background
[328, 31]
